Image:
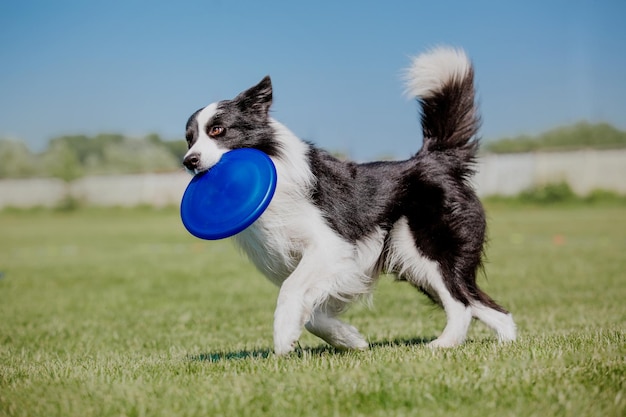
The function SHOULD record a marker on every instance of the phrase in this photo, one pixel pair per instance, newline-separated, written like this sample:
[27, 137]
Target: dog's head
[242, 122]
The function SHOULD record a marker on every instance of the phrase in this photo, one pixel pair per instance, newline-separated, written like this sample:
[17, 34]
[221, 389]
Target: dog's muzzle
[192, 161]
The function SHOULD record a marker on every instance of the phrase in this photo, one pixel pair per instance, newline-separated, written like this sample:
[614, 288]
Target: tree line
[74, 156]
[581, 135]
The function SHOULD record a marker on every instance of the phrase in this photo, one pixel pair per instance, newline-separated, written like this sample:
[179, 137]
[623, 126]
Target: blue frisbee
[229, 197]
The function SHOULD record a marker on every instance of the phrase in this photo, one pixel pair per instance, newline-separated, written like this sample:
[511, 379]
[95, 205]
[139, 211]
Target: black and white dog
[333, 226]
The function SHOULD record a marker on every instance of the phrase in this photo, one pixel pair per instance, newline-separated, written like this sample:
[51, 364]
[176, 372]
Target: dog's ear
[258, 99]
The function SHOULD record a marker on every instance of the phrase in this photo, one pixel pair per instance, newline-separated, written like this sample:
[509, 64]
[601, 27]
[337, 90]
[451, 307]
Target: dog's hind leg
[405, 259]
[500, 322]
[326, 326]
[458, 316]
[458, 313]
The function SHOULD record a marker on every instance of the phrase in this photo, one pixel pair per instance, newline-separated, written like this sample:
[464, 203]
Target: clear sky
[135, 67]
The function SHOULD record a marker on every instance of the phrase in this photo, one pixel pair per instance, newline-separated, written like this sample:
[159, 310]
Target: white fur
[318, 272]
[405, 259]
[209, 150]
[275, 242]
[339, 334]
[430, 71]
[356, 280]
[501, 323]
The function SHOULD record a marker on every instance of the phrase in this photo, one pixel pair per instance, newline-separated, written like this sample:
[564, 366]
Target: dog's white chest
[271, 247]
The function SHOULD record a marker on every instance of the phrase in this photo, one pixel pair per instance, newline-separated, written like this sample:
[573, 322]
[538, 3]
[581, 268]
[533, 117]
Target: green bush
[72, 157]
[549, 194]
[578, 136]
[558, 193]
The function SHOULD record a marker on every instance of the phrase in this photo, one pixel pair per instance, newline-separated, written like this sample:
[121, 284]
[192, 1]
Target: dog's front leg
[299, 294]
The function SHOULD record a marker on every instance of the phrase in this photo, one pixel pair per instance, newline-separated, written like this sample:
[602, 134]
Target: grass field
[122, 313]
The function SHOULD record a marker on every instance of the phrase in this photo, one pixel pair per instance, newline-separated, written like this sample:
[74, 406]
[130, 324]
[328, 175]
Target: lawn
[122, 313]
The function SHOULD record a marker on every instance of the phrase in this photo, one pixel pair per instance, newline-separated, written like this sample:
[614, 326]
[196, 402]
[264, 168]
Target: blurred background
[115, 311]
[94, 96]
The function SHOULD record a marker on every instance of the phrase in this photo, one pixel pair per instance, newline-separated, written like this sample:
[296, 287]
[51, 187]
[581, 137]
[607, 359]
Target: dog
[334, 226]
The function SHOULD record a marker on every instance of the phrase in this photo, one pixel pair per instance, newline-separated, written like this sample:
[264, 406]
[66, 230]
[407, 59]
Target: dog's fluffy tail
[442, 80]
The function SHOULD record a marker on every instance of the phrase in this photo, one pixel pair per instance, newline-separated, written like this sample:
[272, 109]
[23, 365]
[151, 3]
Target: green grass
[122, 313]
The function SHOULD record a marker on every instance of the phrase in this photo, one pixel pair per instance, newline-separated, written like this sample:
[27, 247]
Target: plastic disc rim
[228, 198]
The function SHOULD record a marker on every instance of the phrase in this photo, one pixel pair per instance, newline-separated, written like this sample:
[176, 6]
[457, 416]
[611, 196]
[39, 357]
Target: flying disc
[229, 197]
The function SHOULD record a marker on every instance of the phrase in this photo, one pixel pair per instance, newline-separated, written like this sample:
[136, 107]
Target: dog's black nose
[191, 161]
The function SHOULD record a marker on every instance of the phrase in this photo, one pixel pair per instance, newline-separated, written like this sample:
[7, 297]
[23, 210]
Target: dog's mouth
[197, 171]
[197, 163]
[201, 171]
[193, 165]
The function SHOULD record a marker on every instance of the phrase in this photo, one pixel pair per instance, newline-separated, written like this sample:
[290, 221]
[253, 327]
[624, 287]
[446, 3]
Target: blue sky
[136, 67]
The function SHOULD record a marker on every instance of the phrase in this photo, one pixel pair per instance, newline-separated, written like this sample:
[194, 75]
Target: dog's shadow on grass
[301, 352]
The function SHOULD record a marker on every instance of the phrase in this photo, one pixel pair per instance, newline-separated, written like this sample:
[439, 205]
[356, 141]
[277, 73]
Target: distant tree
[108, 153]
[16, 160]
[577, 136]
[585, 135]
[83, 146]
[61, 160]
[178, 148]
[154, 139]
[137, 155]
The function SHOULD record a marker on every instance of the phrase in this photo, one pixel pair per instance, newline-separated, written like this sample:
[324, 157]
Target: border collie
[334, 226]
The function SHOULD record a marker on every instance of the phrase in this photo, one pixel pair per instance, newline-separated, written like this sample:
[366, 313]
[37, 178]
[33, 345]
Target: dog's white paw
[285, 343]
[286, 337]
[357, 344]
[282, 350]
[347, 337]
[507, 331]
[354, 342]
[444, 343]
[338, 334]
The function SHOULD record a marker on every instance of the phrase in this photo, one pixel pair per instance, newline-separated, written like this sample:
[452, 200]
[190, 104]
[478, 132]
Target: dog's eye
[215, 131]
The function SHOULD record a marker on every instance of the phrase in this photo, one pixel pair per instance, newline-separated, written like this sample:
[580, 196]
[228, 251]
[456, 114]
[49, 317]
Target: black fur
[431, 189]
[356, 198]
[191, 130]
[245, 119]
